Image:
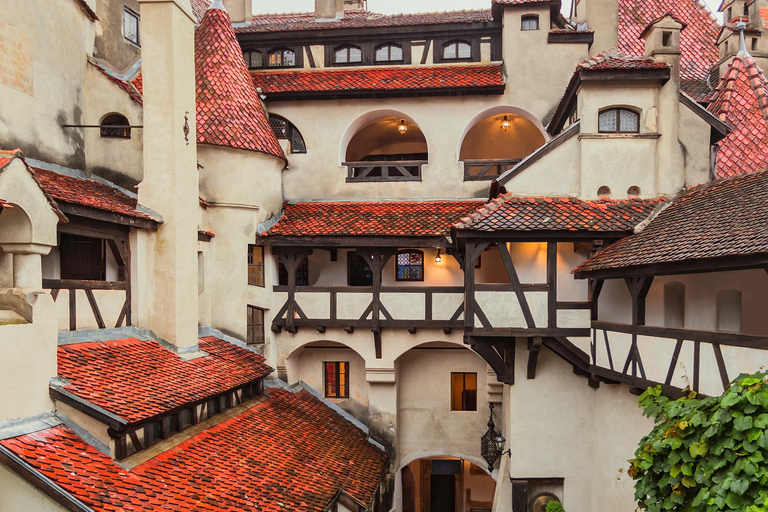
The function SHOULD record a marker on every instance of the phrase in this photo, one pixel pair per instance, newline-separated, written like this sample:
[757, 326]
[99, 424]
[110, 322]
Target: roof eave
[695, 266]
[352, 241]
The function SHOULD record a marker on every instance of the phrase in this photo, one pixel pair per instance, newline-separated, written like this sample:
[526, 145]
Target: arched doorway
[498, 139]
[446, 484]
[385, 145]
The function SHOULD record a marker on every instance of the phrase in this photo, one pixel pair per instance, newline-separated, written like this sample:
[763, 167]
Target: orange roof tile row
[397, 218]
[129, 87]
[509, 213]
[381, 79]
[229, 111]
[290, 452]
[138, 380]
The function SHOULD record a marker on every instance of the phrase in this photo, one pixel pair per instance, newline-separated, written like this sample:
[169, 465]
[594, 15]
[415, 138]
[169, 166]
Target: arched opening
[385, 146]
[604, 191]
[115, 126]
[15, 225]
[285, 130]
[674, 305]
[497, 140]
[618, 120]
[448, 482]
[729, 310]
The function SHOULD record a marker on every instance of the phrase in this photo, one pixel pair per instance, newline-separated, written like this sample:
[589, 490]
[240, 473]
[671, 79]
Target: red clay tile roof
[397, 218]
[524, 2]
[138, 83]
[199, 7]
[132, 91]
[509, 213]
[381, 79]
[356, 18]
[90, 193]
[229, 111]
[724, 218]
[138, 380]
[699, 52]
[741, 100]
[288, 453]
[7, 156]
[611, 60]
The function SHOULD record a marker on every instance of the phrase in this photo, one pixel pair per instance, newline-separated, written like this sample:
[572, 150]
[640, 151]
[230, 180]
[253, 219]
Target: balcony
[489, 169]
[379, 171]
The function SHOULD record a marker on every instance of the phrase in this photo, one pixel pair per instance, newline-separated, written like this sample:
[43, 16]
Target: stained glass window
[336, 379]
[410, 266]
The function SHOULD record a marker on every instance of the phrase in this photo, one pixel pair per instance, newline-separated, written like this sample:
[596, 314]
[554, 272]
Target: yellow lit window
[463, 391]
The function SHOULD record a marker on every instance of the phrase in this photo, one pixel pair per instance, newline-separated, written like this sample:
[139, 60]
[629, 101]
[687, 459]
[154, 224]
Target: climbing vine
[707, 454]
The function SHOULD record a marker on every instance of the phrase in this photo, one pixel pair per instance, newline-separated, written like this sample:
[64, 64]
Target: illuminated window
[253, 59]
[619, 120]
[348, 55]
[115, 126]
[457, 50]
[283, 58]
[336, 379]
[463, 391]
[255, 334]
[389, 53]
[530, 22]
[131, 26]
[410, 266]
[255, 265]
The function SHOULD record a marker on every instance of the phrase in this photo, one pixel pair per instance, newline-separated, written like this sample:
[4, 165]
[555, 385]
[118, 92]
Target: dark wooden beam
[72, 284]
[515, 281]
[534, 348]
[552, 284]
[724, 264]
[500, 357]
[105, 216]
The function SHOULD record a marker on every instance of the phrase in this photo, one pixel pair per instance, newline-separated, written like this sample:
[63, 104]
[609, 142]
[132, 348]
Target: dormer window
[115, 126]
[457, 50]
[282, 58]
[348, 55]
[389, 53]
[619, 120]
[530, 22]
[253, 59]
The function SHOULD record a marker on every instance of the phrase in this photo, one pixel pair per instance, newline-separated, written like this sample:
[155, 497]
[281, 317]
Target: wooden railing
[489, 169]
[73, 286]
[407, 170]
[609, 338]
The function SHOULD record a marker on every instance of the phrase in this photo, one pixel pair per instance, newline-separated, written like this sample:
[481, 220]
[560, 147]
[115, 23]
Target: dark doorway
[443, 493]
[409, 490]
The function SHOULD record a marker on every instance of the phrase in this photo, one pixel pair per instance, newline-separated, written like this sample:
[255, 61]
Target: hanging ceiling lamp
[402, 127]
[505, 123]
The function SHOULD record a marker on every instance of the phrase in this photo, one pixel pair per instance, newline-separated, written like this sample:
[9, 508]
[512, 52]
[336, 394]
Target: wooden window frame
[250, 337]
[398, 266]
[389, 52]
[348, 48]
[249, 59]
[342, 391]
[135, 16]
[282, 50]
[474, 50]
[617, 111]
[529, 17]
[352, 259]
[464, 405]
[255, 275]
[292, 134]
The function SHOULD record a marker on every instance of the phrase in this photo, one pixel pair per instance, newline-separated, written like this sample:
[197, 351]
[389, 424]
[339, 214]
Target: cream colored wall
[694, 138]
[111, 45]
[602, 16]
[555, 174]
[32, 221]
[20, 495]
[118, 160]
[94, 427]
[41, 77]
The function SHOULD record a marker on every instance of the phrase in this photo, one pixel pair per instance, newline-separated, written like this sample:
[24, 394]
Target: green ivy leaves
[706, 454]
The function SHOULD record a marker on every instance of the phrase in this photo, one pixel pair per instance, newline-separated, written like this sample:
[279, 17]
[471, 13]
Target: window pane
[279, 126]
[531, 23]
[276, 58]
[289, 58]
[457, 387]
[449, 51]
[607, 121]
[465, 51]
[628, 121]
[355, 55]
[330, 380]
[470, 381]
[341, 56]
[396, 53]
[382, 54]
[255, 265]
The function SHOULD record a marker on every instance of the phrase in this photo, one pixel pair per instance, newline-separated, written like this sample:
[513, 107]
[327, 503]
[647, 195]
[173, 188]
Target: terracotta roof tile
[357, 18]
[524, 2]
[229, 111]
[727, 217]
[288, 453]
[699, 52]
[397, 218]
[138, 380]
[138, 83]
[6, 156]
[741, 101]
[613, 60]
[199, 7]
[509, 213]
[381, 79]
[90, 193]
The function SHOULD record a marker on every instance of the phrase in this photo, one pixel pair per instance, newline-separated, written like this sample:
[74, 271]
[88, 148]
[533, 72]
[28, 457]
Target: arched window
[253, 59]
[284, 130]
[389, 53]
[633, 191]
[729, 310]
[410, 266]
[604, 191]
[674, 305]
[282, 58]
[530, 22]
[348, 55]
[456, 50]
[116, 126]
[619, 120]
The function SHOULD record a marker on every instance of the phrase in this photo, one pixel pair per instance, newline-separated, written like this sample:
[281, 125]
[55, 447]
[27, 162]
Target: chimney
[602, 16]
[662, 42]
[329, 9]
[170, 184]
[354, 4]
[239, 11]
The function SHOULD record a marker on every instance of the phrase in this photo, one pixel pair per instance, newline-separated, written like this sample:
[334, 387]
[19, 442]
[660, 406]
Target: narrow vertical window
[255, 331]
[729, 310]
[131, 26]
[253, 59]
[358, 271]
[410, 266]
[336, 379]
[255, 265]
[463, 391]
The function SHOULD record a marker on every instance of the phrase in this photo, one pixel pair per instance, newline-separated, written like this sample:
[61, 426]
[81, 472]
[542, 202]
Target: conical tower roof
[229, 110]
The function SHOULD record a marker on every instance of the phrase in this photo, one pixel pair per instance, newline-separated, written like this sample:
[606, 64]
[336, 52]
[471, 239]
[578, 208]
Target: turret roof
[229, 110]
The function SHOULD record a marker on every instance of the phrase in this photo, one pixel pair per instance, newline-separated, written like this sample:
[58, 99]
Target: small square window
[666, 38]
[131, 26]
[410, 266]
[255, 331]
[336, 379]
[255, 265]
[530, 22]
[463, 391]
